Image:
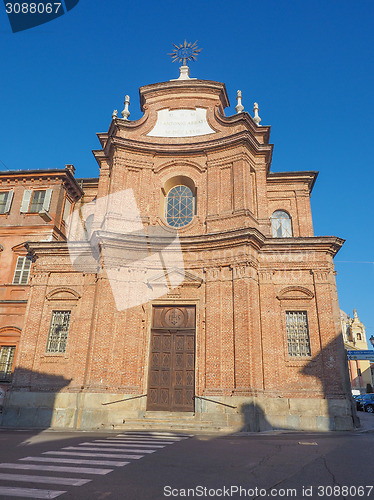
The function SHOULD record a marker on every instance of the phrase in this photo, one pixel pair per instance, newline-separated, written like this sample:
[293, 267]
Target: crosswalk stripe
[123, 445]
[154, 433]
[112, 463]
[132, 445]
[154, 436]
[56, 468]
[110, 450]
[99, 455]
[133, 441]
[29, 492]
[69, 481]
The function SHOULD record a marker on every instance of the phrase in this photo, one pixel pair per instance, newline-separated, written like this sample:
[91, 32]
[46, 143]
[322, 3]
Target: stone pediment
[175, 277]
[63, 294]
[295, 293]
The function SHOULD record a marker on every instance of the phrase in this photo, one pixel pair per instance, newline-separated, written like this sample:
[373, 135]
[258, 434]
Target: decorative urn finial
[256, 118]
[126, 113]
[239, 107]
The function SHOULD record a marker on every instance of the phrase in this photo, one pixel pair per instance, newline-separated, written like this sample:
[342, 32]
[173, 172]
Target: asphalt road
[267, 465]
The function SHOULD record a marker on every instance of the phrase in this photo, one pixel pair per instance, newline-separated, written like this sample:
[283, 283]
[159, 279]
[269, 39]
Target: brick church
[182, 287]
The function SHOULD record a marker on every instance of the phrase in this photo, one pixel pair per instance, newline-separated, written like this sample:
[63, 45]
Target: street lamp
[372, 341]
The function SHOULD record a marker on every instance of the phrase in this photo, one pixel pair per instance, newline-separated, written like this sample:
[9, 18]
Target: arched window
[281, 224]
[179, 206]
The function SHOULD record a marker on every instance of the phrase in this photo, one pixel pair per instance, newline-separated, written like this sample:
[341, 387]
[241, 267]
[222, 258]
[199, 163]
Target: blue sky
[308, 64]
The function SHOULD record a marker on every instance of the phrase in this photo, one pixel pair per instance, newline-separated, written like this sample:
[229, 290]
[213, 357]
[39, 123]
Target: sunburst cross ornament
[185, 52]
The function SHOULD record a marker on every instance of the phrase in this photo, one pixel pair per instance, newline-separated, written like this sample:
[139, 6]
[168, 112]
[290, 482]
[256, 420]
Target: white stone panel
[181, 123]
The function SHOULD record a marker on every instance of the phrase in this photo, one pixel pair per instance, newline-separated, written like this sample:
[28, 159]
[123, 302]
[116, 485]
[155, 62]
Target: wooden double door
[171, 377]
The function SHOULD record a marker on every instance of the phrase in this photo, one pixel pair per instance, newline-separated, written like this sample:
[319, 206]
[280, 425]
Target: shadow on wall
[30, 399]
[336, 386]
[254, 419]
[336, 411]
[33, 396]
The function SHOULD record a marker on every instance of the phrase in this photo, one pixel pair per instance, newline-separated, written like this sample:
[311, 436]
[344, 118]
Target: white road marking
[136, 441]
[29, 492]
[155, 433]
[110, 450]
[130, 445]
[56, 468]
[103, 447]
[99, 455]
[70, 481]
[157, 436]
[112, 463]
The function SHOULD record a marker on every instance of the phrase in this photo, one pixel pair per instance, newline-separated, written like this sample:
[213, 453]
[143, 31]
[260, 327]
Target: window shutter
[18, 271]
[26, 271]
[47, 199]
[9, 201]
[67, 210]
[22, 272]
[26, 200]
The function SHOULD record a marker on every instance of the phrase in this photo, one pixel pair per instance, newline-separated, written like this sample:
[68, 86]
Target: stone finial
[114, 115]
[239, 107]
[355, 313]
[256, 118]
[184, 73]
[126, 113]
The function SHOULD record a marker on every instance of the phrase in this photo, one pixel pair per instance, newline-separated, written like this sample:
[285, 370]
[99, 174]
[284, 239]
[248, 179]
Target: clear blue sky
[309, 65]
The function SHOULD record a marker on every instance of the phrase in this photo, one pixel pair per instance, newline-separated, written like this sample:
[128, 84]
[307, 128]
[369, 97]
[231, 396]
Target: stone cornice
[179, 148]
[306, 177]
[330, 244]
[212, 241]
[246, 119]
[119, 123]
[189, 86]
[88, 182]
[62, 174]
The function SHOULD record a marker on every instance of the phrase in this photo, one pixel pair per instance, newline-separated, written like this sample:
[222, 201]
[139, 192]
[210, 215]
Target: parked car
[365, 402]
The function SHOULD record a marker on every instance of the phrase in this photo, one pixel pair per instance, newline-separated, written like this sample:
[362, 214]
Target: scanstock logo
[140, 262]
[26, 14]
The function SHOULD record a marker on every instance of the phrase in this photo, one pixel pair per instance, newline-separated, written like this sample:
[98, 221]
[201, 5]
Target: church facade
[185, 286]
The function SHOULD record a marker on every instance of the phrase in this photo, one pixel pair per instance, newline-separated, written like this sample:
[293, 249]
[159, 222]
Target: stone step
[168, 415]
[171, 425]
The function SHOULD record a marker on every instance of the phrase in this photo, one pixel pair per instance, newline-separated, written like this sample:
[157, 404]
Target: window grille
[179, 208]
[58, 331]
[298, 341]
[6, 362]
[22, 272]
[281, 224]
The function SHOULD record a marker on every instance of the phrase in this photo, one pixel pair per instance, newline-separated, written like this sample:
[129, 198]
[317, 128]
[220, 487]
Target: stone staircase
[188, 422]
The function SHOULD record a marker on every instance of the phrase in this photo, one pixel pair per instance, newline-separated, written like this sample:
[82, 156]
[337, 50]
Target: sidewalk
[367, 422]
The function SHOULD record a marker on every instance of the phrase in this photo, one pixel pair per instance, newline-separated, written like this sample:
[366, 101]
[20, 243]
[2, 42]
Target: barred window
[22, 272]
[58, 331]
[180, 206]
[298, 341]
[281, 224]
[6, 362]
